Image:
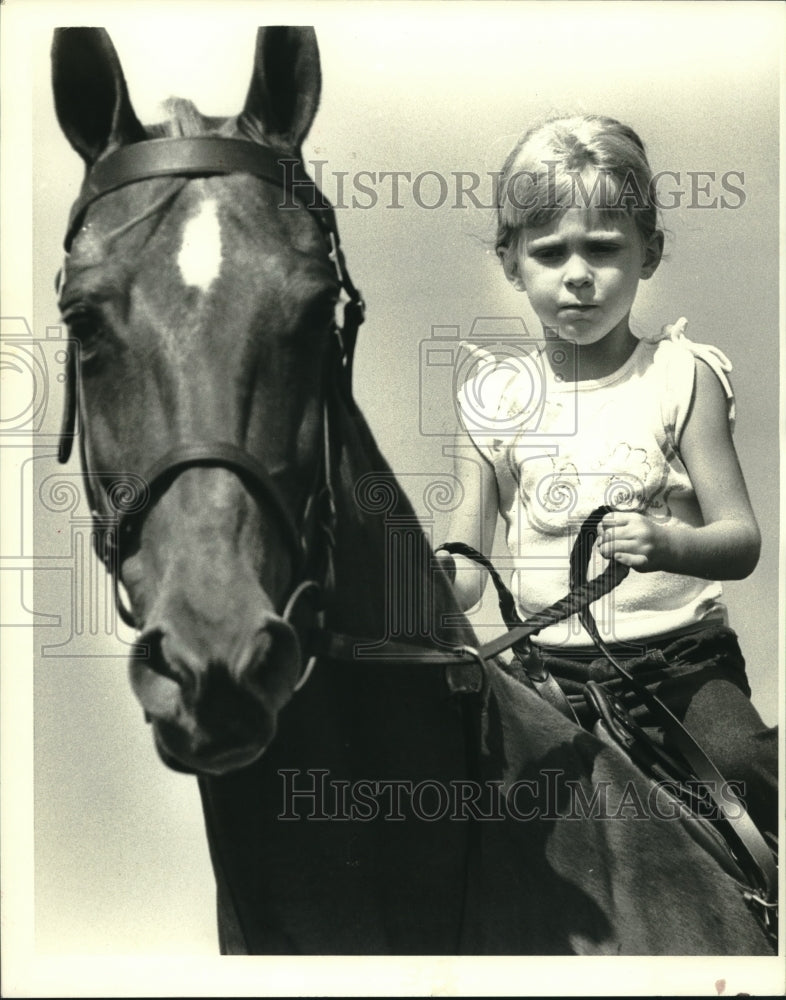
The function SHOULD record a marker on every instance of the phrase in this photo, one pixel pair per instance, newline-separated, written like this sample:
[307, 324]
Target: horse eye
[86, 330]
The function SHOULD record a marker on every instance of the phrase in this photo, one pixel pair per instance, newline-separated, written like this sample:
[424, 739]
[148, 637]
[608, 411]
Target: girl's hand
[726, 546]
[634, 540]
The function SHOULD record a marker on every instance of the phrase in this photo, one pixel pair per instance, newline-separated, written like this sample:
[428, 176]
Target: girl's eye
[547, 254]
[604, 248]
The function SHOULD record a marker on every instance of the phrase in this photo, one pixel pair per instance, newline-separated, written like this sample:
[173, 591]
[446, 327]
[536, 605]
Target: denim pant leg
[714, 705]
[701, 679]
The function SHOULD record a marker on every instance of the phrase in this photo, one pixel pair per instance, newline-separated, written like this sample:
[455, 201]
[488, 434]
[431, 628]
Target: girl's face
[581, 272]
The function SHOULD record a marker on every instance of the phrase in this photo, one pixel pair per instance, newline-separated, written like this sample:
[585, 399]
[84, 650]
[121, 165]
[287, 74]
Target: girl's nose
[577, 272]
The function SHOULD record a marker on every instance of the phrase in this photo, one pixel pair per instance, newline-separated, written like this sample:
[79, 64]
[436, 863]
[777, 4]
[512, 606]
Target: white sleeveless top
[560, 449]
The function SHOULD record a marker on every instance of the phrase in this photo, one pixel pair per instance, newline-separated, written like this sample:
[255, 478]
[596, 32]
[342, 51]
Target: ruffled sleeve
[677, 352]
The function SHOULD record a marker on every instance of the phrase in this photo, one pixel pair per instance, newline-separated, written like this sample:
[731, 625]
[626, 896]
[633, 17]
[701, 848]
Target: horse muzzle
[214, 704]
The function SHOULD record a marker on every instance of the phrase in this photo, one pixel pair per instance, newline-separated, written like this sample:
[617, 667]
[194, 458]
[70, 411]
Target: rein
[580, 596]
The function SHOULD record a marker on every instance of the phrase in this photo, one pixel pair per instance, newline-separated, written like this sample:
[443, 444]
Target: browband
[202, 156]
[199, 156]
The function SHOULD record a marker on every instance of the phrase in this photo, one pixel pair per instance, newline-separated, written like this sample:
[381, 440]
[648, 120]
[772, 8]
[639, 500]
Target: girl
[598, 415]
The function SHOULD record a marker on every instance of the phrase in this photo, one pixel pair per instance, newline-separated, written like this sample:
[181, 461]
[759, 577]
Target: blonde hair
[580, 161]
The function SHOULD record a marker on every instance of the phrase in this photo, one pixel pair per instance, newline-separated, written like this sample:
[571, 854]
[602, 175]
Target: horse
[361, 794]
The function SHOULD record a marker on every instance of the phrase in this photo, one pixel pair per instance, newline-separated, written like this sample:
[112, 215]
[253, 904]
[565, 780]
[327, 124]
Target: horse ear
[283, 96]
[91, 97]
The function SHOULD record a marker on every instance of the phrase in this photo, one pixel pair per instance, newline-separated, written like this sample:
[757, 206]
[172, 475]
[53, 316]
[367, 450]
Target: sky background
[121, 866]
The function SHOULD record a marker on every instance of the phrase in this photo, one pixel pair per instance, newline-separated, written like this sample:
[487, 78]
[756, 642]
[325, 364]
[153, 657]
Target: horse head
[202, 298]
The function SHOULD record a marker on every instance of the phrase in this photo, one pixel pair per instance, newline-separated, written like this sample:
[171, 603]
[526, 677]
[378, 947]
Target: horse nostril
[270, 661]
[219, 685]
[260, 647]
[165, 656]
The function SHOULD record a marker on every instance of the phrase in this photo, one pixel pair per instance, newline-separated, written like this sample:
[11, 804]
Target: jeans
[700, 676]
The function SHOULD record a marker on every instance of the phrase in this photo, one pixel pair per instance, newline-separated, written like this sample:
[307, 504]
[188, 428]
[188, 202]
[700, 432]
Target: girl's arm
[727, 546]
[473, 521]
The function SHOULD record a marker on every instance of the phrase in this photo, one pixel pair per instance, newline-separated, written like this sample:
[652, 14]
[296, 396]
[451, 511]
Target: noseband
[204, 156]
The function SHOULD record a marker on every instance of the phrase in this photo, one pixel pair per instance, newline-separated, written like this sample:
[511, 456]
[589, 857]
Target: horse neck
[385, 581]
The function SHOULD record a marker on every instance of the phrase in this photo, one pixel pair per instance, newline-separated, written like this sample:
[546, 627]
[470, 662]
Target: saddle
[692, 785]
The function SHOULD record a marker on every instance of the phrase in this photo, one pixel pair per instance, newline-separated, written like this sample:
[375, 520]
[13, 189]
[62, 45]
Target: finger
[637, 562]
[606, 548]
[615, 523]
[617, 539]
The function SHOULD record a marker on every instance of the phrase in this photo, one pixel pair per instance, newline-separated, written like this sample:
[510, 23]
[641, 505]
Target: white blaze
[199, 259]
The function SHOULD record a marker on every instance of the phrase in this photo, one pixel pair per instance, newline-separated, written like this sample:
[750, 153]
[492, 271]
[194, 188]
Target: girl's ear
[511, 267]
[653, 252]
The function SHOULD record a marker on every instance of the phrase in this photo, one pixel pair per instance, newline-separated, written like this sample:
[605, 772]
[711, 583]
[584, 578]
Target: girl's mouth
[576, 311]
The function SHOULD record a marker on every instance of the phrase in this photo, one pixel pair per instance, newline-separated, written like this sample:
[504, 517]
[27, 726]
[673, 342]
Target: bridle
[200, 157]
